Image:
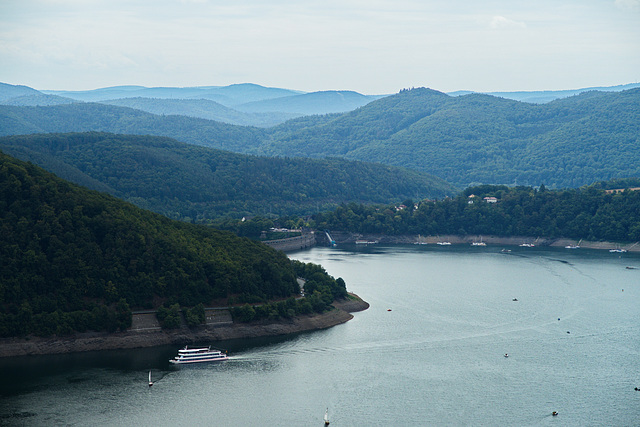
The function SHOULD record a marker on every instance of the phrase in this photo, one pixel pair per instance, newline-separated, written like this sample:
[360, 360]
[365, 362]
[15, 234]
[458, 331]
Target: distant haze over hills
[244, 104]
[465, 140]
[541, 97]
[226, 95]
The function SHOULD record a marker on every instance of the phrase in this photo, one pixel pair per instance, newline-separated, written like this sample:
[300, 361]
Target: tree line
[585, 213]
[73, 259]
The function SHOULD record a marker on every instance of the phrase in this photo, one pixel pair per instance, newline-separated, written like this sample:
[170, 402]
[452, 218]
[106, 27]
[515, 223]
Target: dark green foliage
[195, 316]
[589, 213]
[198, 184]
[123, 314]
[244, 313]
[317, 279]
[72, 259]
[320, 290]
[169, 317]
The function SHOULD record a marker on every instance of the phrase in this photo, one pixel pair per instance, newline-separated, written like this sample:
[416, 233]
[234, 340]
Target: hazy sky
[370, 46]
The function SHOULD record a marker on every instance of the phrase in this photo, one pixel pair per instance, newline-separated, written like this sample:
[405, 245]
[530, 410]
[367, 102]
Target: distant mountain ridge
[226, 95]
[8, 91]
[465, 140]
[544, 96]
[311, 103]
[240, 104]
[204, 109]
[478, 138]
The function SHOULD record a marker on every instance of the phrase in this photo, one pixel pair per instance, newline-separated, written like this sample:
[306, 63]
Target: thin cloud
[628, 4]
[498, 22]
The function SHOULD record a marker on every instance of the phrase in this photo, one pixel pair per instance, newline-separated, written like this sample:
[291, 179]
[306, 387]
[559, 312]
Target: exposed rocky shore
[146, 333]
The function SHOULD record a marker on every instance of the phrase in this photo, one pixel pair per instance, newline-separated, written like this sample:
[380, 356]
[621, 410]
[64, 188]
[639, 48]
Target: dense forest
[73, 259]
[477, 138]
[464, 140]
[198, 184]
[586, 213]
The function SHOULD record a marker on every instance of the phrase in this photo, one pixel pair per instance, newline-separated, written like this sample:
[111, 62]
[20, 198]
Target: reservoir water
[429, 351]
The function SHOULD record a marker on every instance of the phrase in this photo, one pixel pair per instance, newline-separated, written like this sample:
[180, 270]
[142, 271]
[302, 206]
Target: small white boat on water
[326, 417]
[198, 355]
[150, 382]
[444, 243]
[577, 246]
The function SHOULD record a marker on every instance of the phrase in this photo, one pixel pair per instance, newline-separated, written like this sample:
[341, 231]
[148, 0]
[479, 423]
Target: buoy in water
[506, 355]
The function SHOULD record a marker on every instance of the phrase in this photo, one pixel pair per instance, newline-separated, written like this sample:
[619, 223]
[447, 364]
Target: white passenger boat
[198, 355]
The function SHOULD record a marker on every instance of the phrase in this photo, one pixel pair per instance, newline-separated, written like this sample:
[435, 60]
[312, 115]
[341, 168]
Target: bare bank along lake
[429, 351]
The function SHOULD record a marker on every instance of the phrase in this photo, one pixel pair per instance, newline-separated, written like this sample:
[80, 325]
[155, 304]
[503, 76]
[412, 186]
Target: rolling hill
[544, 96]
[311, 103]
[226, 95]
[196, 183]
[464, 140]
[477, 138]
[74, 259]
[82, 117]
[241, 104]
[204, 109]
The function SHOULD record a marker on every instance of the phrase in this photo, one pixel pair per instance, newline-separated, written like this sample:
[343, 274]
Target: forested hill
[75, 259]
[194, 183]
[84, 117]
[464, 140]
[586, 213]
[479, 138]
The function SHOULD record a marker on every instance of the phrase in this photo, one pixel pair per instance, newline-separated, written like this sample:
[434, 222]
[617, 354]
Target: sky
[369, 46]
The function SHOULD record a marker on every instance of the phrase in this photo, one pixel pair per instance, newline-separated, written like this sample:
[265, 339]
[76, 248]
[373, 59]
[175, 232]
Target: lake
[429, 351]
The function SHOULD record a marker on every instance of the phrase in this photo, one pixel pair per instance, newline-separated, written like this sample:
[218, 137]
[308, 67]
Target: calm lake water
[437, 358]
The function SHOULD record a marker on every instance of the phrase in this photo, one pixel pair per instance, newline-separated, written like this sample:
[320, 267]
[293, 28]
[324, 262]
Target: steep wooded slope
[196, 183]
[74, 259]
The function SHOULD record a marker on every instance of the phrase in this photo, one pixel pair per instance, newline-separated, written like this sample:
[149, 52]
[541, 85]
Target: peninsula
[77, 264]
[145, 331]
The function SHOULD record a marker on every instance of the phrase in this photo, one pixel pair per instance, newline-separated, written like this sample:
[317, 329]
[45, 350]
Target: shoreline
[455, 239]
[144, 333]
